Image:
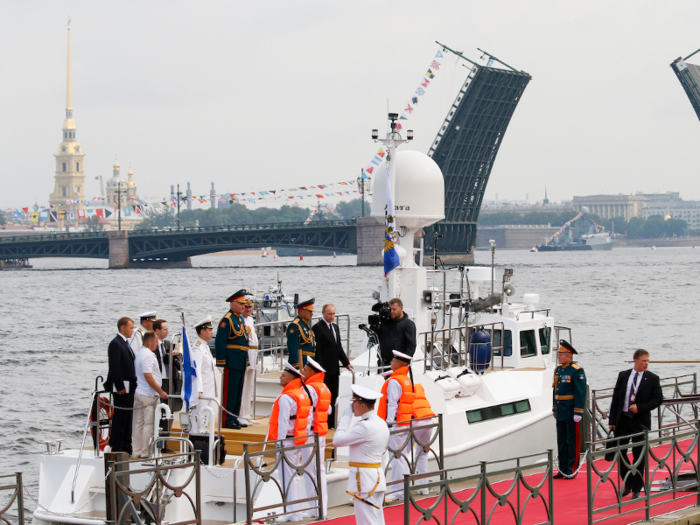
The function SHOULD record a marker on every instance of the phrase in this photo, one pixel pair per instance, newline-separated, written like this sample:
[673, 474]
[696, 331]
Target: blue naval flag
[189, 367]
[391, 258]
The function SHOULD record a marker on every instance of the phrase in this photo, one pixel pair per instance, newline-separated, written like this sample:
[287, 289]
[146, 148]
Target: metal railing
[15, 484]
[410, 445]
[148, 504]
[288, 458]
[478, 494]
[658, 456]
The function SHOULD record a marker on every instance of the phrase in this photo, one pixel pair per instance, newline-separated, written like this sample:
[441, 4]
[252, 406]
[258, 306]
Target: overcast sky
[264, 95]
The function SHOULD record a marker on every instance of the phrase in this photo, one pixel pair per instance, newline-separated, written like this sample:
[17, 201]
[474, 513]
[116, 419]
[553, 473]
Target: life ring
[104, 415]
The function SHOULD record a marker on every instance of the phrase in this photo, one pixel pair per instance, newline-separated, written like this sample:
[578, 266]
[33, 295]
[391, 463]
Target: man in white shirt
[160, 327]
[136, 340]
[206, 379]
[245, 418]
[148, 391]
[367, 440]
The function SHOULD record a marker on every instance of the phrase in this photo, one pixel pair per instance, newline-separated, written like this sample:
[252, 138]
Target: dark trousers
[332, 382]
[566, 441]
[232, 394]
[624, 428]
[165, 423]
[120, 435]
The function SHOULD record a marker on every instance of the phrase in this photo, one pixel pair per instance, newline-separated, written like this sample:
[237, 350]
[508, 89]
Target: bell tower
[69, 182]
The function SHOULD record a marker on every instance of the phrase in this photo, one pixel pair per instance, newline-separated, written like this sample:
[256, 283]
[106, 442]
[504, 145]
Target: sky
[260, 95]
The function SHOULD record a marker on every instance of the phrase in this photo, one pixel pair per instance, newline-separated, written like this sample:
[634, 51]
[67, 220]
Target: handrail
[93, 398]
[18, 495]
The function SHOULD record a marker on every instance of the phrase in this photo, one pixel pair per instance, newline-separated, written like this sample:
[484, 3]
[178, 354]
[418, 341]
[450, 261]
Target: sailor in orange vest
[367, 442]
[396, 408]
[288, 422]
[320, 394]
[422, 435]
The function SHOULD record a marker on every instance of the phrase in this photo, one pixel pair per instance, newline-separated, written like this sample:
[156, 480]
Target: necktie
[629, 399]
[160, 362]
[330, 327]
[131, 351]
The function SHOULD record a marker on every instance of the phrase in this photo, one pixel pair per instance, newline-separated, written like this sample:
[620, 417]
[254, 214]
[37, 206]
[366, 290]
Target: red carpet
[570, 502]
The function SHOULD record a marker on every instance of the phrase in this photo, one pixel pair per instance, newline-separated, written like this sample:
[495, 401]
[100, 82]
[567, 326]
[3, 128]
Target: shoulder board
[198, 343]
[227, 315]
[575, 366]
[139, 329]
[296, 321]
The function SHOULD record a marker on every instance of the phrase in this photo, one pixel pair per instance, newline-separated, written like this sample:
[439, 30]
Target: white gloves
[577, 418]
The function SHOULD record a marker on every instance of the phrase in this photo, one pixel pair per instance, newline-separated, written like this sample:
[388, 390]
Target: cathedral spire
[69, 87]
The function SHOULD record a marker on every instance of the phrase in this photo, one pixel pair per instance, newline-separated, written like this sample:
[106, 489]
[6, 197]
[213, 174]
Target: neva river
[57, 319]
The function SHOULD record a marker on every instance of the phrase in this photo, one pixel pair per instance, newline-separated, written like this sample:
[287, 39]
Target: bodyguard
[232, 353]
[301, 342]
[568, 403]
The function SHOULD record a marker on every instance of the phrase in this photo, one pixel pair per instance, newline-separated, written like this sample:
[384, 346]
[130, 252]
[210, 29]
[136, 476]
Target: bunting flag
[561, 230]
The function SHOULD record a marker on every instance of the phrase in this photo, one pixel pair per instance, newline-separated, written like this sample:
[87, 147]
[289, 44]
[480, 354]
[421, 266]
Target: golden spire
[69, 88]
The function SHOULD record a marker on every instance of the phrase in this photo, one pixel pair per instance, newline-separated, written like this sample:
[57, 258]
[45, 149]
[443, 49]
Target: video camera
[383, 313]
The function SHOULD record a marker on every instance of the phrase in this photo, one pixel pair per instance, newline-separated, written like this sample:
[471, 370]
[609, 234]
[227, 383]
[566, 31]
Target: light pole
[119, 205]
[178, 206]
[361, 181]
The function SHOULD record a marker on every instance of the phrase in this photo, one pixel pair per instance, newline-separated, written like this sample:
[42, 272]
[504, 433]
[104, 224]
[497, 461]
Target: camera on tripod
[383, 313]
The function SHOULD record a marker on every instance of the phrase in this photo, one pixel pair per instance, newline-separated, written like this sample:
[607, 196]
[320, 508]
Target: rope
[214, 475]
[582, 462]
[140, 407]
[66, 514]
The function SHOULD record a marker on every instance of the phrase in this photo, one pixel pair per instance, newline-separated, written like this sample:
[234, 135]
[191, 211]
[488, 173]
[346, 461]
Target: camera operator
[395, 329]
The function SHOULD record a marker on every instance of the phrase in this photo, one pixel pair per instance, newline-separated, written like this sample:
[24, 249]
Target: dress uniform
[318, 423]
[422, 432]
[288, 423]
[367, 441]
[206, 378]
[301, 342]
[568, 404]
[136, 341]
[396, 408]
[232, 353]
[249, 379]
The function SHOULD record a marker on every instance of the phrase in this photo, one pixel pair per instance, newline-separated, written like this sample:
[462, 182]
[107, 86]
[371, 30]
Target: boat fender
[480, 352]
[104, 414]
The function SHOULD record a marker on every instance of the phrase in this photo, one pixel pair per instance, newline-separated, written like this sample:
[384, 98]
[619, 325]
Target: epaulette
[575, 366]
[198, 343]
[296, 322]
[139, 330]
[228, 314]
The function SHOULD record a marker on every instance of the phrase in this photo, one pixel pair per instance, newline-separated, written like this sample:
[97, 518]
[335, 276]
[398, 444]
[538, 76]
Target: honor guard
[301, 342]
[206, 376]
[232, 354]
[314, 375]
[367, 441]
[136, 341]
[288, 422]
[249, 380]
[396, 408]
[569, 401]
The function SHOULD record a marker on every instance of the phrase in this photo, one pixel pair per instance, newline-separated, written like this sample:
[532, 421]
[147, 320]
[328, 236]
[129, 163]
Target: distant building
[689, 211]
[611, 206]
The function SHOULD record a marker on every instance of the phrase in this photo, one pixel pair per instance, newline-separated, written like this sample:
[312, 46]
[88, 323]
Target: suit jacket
[329, 353]
[121, 365]
[649, 397]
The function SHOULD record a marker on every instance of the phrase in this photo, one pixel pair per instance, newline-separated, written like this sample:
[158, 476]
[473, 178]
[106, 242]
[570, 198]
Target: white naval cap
[205, 323]
[314, 364]
[363, 393]
[289, 368]
[249, 300]
[148, 315]
[402, 356]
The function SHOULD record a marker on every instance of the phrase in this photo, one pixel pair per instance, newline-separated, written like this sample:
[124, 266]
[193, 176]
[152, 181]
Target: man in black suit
[329, 353]
[121, 380]
[637, 393]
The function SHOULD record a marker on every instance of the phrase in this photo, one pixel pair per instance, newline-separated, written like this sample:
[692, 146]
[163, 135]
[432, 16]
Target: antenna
[498, 60]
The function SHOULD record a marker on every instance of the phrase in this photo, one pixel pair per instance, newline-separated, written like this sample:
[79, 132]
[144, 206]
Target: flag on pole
[189, 368]
[391, 258]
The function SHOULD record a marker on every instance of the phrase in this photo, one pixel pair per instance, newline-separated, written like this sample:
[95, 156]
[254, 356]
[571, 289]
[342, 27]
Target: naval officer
[232, 354]
[249, 379]
[136, 341]
[367, 440]
[568, 404]
[206, 378]
[301, 342]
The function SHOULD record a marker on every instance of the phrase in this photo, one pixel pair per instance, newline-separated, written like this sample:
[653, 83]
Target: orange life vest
[293, 390]
[421, 405]
[405, 410]
[323, 395]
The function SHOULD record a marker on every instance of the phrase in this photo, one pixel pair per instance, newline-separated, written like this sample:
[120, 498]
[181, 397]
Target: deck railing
[12, 482]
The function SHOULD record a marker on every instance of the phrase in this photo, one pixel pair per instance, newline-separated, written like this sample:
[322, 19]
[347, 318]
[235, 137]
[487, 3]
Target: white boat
[492, 408]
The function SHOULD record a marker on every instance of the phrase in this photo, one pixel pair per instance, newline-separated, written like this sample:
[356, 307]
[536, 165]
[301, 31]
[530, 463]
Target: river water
[57, 319]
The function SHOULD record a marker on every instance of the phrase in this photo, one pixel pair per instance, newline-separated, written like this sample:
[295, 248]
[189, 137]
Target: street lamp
[364, 182]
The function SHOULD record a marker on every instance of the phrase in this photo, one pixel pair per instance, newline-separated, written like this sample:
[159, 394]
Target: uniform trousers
[232, 392]
[566, 442]
[310, 477]
[142, 430]
[366, 514]
[198, 418]
[120, 433]
[247, 393]
[422, 437]
[399, 466]
[291, 482]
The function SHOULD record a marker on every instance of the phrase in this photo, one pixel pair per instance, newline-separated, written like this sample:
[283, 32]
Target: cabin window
[545, 337]
[528, 343]
[495, 412]
[507, 343]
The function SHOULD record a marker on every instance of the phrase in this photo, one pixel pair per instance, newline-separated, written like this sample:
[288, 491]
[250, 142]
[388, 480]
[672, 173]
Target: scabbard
[363, 500]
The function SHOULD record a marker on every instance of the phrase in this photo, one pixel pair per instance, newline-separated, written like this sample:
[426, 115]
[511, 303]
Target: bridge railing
[53, 236]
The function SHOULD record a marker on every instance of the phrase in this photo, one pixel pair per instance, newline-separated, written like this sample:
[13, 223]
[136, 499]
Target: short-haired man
[367, 440]
[206, 379]
[244, 418]
[637, 392]
[148, 390]
[301, 342]
[398, 332]
[136, 340]
[160, 327]
[121, 380]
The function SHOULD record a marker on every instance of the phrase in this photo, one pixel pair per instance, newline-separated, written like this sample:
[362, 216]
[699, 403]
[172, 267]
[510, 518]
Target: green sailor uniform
[301, 342]
[232, 353]
[568, 400]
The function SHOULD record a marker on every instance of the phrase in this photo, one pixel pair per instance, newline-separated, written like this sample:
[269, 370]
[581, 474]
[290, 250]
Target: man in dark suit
[637, 393]
[330, 353]
[121, 380]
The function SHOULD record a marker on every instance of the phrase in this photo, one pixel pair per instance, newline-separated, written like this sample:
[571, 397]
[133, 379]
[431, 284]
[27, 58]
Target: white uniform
[368, 440]
[249, 378]
[422, 436]
[291, 482]
[400, 466]
[206, 383]
[136, 341]
[309, 480]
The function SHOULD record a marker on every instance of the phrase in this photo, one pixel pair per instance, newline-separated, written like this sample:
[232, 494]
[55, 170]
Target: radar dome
[419, 198]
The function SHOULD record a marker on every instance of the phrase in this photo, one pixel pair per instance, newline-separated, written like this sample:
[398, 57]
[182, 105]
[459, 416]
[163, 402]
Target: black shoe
[234, 426]
[626, 491]
[570, 477]
[636, 495]
[558, 475]
[168, 450]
